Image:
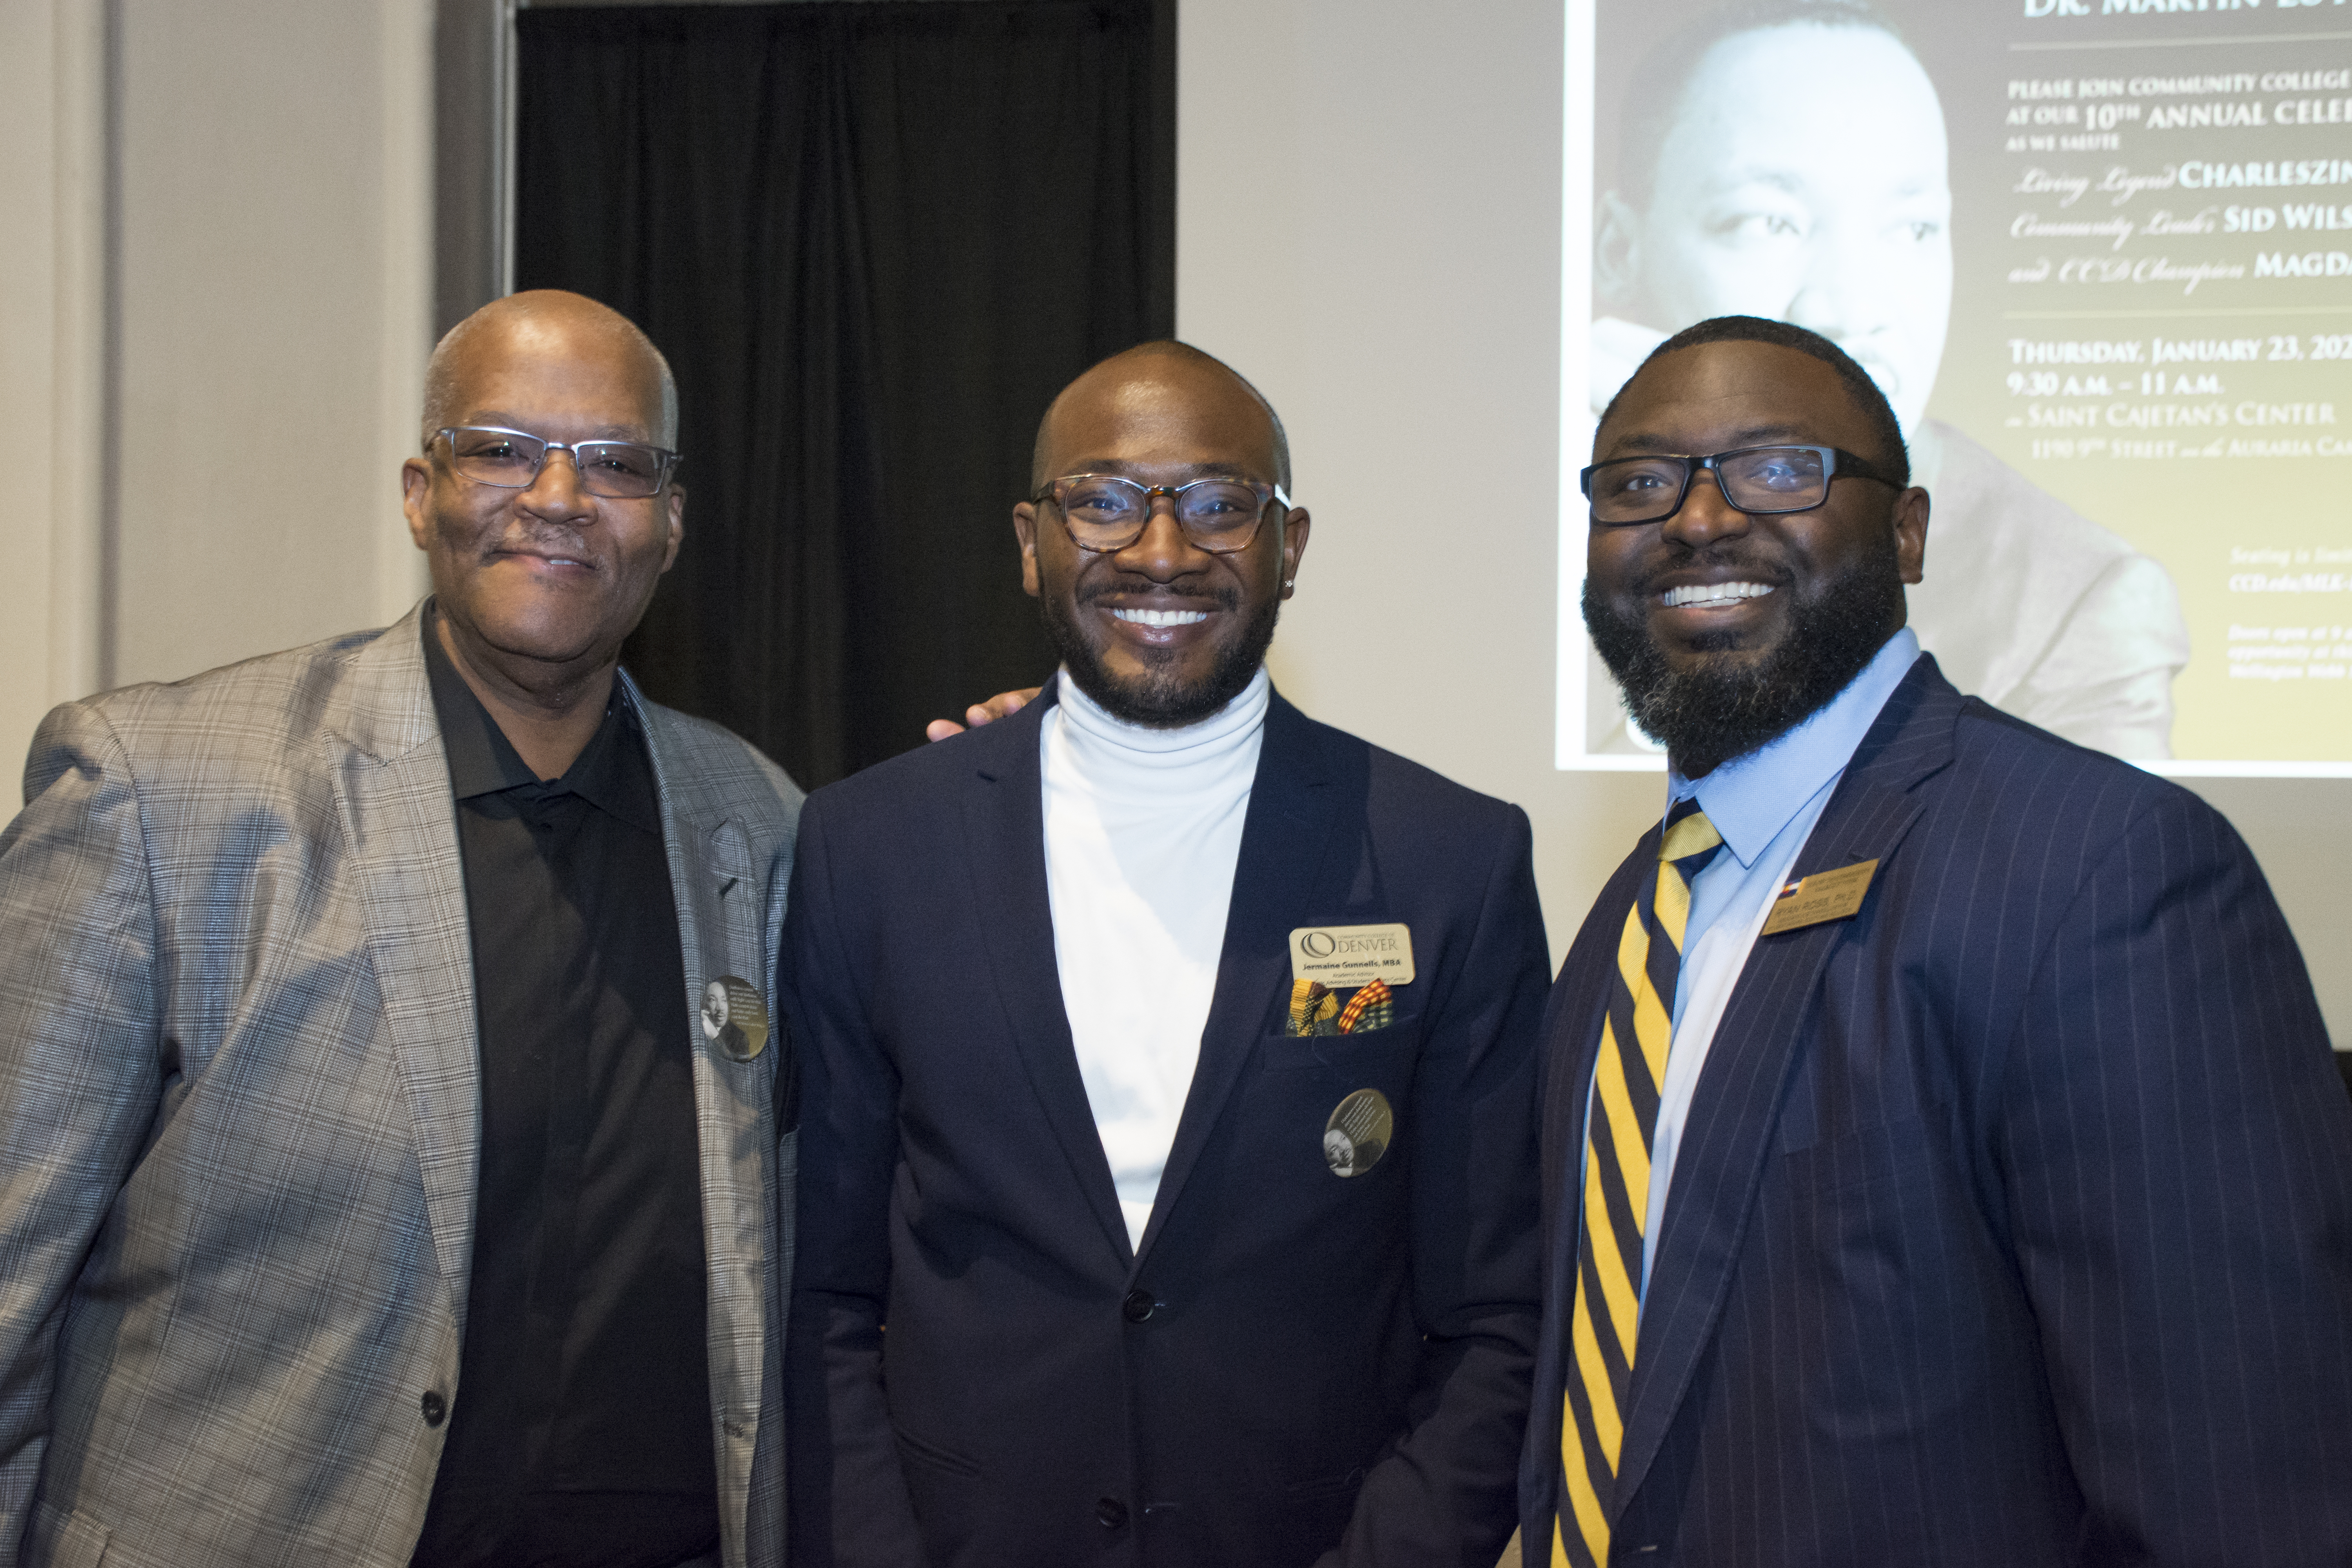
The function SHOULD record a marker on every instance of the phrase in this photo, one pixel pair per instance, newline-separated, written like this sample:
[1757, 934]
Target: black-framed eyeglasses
[510, 460]
[1106, 513]
[1758, 480]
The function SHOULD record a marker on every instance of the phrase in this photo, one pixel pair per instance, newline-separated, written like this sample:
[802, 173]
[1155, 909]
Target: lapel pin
[734, 1018]
[1359, 1133]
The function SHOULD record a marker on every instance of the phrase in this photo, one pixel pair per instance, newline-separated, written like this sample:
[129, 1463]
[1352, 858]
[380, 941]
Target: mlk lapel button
[734, 1018]
[1352, 955]
[1824, 896]
[1358, 1133]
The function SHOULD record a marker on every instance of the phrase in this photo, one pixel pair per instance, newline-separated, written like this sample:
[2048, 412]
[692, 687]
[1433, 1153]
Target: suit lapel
[1284, 839]
[1571, 1036]
[392, 787]
[1736, 1107]
[1580, 1007]
[1004, 821]
[715, 890]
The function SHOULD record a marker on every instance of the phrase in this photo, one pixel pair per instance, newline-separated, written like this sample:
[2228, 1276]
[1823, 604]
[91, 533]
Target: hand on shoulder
[1004, 705]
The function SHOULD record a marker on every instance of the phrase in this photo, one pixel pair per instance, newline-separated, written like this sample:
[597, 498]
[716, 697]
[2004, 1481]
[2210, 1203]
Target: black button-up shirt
[581, 1434]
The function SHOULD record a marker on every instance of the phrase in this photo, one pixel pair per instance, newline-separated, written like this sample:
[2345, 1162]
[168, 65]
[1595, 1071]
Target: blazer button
[1111, 1512]
[1138, 1306]
[436, 1408]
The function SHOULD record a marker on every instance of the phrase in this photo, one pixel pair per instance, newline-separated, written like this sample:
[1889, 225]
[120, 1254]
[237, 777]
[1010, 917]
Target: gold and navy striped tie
[1632, 1068]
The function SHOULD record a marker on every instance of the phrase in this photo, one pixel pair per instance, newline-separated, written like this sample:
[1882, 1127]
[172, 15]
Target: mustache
[551, 539]
[1224, 596]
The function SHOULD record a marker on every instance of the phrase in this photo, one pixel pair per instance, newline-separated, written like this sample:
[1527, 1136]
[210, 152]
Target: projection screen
[2098, 253]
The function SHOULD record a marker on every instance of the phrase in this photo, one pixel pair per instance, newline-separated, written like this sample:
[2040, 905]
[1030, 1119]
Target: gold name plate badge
[1345, 956]
[1824, 896]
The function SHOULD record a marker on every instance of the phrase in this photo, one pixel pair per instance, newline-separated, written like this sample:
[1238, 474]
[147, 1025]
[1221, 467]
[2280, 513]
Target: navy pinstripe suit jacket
[2012, 1223]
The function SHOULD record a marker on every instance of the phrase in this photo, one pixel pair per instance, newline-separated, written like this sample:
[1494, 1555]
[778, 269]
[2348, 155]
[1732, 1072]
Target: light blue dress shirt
[1764, 804]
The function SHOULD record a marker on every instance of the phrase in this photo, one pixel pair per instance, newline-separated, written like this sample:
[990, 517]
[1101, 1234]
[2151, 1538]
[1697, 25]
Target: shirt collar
[1242, 716]
[482, 761]
[1751, 798]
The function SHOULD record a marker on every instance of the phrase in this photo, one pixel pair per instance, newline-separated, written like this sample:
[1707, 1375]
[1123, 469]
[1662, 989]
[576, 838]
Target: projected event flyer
[2098, 253]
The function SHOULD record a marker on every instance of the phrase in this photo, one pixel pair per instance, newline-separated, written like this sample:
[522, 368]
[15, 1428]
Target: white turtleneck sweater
[1143, 828]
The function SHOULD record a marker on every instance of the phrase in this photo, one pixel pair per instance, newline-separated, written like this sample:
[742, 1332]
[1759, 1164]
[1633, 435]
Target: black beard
[1710, 713]
[1159, 701]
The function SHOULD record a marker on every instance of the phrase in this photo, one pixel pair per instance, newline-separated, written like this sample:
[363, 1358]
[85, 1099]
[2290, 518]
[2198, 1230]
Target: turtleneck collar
[1094, 733]
[1143, 833]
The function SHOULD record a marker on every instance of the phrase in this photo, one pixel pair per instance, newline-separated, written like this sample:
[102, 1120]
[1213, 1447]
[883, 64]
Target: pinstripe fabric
[2013, 1219]
[237, 1138]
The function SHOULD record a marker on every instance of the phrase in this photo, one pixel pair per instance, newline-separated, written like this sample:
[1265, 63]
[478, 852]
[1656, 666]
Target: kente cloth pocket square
[1317, 1009]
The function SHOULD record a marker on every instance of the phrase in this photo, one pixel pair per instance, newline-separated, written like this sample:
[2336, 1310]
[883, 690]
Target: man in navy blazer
[2001, 1210]
[1125, 1241]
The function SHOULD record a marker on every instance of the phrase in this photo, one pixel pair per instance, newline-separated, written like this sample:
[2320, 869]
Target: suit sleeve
[849, 1501]
[2178, 1158]
[80, 1065]
[1445, 1493]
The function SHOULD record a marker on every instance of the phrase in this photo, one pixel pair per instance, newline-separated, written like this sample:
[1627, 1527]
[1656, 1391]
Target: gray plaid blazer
[239, 1116]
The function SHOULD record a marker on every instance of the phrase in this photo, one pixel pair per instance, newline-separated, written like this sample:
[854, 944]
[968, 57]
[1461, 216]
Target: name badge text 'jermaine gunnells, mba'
[1342, 956]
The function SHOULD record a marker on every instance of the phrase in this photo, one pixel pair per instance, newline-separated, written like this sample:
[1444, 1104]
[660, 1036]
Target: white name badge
[1345, 956]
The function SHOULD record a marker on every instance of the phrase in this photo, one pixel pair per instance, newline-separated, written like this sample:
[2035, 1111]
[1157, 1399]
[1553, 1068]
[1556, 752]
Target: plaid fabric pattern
[1313, 1008]
[1373, 1007]
[238, 1111]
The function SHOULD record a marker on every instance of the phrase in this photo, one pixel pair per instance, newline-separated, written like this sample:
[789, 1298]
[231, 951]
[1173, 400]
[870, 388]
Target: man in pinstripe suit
[372, 1188]
[1942, 1159]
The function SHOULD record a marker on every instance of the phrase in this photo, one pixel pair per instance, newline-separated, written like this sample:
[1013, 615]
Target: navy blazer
[2012, 1222]
[1293, 1366]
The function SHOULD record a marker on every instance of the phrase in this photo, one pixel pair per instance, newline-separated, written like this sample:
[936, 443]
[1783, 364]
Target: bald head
[1167, 626]
[548, 321]
[1125, 376]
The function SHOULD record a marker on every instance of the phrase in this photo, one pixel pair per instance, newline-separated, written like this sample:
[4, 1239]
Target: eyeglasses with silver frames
[511, 460]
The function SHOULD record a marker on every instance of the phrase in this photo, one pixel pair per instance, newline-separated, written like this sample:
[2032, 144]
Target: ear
[1911, 533]
[676, 524]
[1025, 529]
[415, 488]
[1616, 255]
[1294, 524]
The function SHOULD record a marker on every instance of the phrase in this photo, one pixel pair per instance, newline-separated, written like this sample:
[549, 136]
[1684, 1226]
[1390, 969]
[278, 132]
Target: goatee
[1718, 708]
[1160, 698]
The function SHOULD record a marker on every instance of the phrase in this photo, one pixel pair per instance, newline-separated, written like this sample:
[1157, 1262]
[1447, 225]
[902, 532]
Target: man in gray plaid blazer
[248, 1042]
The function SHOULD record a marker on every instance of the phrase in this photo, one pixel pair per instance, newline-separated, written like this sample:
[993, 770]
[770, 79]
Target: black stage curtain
[874, 237]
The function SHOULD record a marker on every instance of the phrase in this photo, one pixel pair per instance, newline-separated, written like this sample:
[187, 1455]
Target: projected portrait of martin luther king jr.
[1787, 159]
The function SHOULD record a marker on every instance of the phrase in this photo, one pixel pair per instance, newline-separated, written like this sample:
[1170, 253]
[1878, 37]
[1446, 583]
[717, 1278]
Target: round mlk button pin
[1358, 1133]
[735, 1017]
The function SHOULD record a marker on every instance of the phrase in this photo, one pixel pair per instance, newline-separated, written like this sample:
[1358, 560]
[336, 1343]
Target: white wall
[52, 310]
[1368, 228]
[276, 291]
[216, 357]
[1368, 206]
